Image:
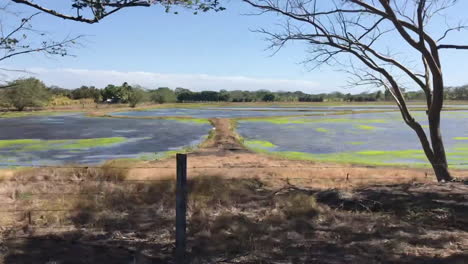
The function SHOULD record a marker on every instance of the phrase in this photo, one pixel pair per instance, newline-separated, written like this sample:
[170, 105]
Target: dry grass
[241, 220]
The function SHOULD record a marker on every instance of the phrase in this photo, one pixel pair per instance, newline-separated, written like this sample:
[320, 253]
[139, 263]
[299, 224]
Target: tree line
[32, 92]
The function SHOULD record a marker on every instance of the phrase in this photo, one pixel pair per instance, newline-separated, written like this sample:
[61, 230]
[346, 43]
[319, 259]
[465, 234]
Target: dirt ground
[243, 207]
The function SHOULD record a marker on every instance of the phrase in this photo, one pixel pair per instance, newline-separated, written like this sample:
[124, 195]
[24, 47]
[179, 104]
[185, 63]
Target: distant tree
[85, 92]
[163, 95]
[185, 96]
[180, 90]
[24, 93]
[116, 94]
[58, 91]
[378, 95]
[136, 96]
[208, 96]
[224, 96]
[258, 95]
[110, 93]
[269, 97]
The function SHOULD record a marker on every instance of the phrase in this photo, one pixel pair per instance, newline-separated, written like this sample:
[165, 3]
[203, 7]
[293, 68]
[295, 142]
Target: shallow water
[59, 139]
[380, 138]
[365, 138]
[215, 112]
[253, 111]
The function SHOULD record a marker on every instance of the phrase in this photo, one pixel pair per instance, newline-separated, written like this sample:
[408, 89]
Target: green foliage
[85, 92]
[27, 145]
[24, 93]
[365, 127]
[259, 144]
[189, 120]
[305, 120]
[136, 96]
[322, 130]
[116, 94]
[269, 97]
[163, 95]
[124, 94]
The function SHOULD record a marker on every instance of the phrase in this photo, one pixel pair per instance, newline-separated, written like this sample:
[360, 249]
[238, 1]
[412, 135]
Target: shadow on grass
[245, 221]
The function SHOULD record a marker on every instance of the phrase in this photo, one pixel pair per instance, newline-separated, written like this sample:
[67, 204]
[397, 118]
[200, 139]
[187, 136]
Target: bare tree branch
[103, 8]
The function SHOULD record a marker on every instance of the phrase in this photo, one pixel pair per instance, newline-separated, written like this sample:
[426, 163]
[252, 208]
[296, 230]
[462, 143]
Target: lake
[331, 134]
[51, 140]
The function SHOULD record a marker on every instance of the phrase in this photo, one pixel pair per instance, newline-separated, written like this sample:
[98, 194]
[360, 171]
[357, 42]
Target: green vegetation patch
[25, 145]
[16, 142]
[460, 138]
[189, 120]
[369, 157]
[322, 130]
[295, 120]
[94, 142]
[461, 147]
[375, 158]
[259, 144]
[366, 127]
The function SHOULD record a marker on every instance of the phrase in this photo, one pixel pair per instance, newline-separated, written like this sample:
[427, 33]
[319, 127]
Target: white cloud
[73, 78]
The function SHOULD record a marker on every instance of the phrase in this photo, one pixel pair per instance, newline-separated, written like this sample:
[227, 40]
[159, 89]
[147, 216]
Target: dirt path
[224, 139]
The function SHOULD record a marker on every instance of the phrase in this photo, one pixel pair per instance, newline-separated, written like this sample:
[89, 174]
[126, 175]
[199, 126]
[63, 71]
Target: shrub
[24, 93]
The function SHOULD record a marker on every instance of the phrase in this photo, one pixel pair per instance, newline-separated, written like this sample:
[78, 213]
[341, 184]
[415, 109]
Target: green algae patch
[16, 142]
[366, 127]
[462, 147]
[322, 130]
[189, 120]
[94, 142]
[368, 157]
[460, 138]
[255, 144]
[374, 158]
[296, 120]
[28, 145]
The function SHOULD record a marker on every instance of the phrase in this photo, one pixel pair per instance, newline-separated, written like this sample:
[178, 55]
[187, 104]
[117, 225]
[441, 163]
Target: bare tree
[362, 31]
[92, 11]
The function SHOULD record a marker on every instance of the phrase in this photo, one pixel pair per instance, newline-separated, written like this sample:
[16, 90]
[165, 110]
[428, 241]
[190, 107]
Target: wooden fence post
[181, 209]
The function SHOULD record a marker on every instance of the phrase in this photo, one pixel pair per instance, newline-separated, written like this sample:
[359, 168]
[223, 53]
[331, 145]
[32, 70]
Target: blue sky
[206, 51]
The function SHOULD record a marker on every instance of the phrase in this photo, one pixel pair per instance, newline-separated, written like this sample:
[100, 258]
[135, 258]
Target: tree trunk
[441, 171]
[439, 162]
